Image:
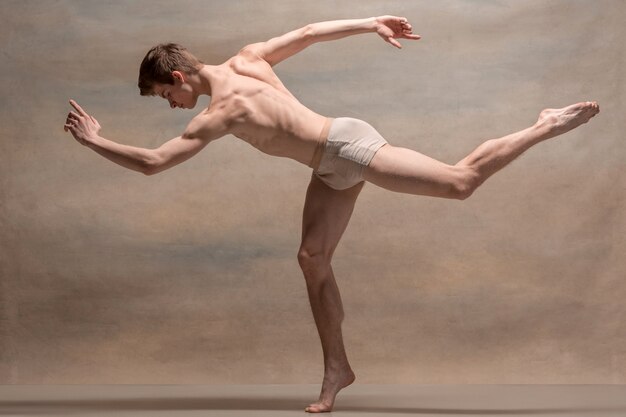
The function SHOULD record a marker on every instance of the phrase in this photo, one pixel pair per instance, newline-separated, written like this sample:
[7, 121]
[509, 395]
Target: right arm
[202, 130]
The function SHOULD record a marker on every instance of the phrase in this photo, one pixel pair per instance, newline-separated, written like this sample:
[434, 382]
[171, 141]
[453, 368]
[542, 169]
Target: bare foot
[563, 120]
[333, 383]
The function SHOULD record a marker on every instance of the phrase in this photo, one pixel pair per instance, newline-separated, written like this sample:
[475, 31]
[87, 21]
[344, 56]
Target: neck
[203, 79]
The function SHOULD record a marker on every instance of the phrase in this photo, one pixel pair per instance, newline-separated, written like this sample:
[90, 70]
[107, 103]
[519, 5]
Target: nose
[172, 105]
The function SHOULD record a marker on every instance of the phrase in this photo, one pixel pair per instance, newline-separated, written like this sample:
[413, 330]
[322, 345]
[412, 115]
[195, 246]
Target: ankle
[544, 128]
[337, 368]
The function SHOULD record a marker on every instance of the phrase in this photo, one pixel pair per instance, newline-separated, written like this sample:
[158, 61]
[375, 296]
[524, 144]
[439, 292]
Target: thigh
[326, 215]
[407, 171]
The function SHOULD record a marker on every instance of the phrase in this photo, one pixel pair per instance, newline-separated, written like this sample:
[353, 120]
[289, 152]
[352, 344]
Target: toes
[594, 108]
[586, 107]
[316, 408]
[592, 105]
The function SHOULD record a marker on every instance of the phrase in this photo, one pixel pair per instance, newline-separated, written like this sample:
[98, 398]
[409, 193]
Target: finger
[73, 115]
[78, 108]
[414, 37]
[394, 42]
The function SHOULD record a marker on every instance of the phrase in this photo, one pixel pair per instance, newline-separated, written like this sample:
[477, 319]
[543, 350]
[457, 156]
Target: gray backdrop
[190, 276]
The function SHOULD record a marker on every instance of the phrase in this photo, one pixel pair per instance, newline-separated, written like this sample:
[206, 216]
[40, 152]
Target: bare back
[257, 108]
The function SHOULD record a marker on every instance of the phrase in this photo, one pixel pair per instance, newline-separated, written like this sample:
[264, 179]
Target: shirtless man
[251, 103]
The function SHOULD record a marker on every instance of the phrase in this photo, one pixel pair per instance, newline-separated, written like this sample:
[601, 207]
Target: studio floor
[290, 400]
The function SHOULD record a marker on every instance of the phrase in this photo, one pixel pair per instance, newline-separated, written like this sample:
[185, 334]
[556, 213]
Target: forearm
[337, 29]
[137, 159]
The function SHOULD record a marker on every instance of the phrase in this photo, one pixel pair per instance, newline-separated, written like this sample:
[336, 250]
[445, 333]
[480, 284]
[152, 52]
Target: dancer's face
[180, 94]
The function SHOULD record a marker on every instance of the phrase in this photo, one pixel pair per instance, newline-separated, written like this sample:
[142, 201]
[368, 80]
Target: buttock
[349, 148]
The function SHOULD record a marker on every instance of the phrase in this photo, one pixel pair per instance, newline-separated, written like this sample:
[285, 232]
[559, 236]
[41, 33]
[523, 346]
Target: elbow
[308, 32]
[149, 171]
[151, 165]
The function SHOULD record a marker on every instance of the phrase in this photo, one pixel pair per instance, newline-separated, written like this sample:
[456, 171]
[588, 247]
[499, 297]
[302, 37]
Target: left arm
[282, 47]
[387, 27]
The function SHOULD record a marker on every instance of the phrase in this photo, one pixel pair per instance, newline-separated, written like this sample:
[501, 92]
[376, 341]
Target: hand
[391, 27]
[83, 127]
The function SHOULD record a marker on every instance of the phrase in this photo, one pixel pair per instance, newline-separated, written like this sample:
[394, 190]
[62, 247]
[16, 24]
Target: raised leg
[403, 170]
[325, 218]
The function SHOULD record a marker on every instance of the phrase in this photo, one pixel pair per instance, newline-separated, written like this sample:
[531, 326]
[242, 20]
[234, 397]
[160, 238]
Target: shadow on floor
[26, 407]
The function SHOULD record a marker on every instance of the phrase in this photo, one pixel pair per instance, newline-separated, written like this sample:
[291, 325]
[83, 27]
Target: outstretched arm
[200, 131]
[282, 47]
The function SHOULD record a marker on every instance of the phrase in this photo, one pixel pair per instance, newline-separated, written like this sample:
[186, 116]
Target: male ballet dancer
[250, 102]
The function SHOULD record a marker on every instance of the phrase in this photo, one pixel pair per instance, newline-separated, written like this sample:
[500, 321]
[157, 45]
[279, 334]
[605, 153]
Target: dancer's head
[165, 71]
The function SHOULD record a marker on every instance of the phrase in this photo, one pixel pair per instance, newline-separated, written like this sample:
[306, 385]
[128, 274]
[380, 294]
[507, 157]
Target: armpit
[205, 126]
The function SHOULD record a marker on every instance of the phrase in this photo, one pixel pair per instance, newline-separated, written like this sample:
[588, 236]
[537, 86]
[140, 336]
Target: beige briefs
[349, 147]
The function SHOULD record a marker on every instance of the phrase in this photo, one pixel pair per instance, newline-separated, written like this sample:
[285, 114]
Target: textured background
[190, 276]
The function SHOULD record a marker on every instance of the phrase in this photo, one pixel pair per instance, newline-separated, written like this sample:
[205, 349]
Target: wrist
[374, 23]
[93, 142]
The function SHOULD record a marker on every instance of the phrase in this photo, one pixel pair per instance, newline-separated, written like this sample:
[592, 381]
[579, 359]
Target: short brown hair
[160, 61]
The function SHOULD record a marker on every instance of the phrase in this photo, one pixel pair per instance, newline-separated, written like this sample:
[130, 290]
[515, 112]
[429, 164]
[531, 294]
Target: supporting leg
[407, 171]
[325, 218]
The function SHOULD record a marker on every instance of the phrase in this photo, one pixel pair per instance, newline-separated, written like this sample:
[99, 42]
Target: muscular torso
[257, 108]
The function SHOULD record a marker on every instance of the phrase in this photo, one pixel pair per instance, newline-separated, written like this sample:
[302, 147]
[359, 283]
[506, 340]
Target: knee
[314, 263]
[466, 181]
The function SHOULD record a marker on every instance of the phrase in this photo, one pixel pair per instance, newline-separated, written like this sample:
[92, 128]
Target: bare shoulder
[252, 50]
[209, 125]
[253, 53]
[250, 62]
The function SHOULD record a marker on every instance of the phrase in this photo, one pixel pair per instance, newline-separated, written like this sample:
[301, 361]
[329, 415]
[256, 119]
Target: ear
[178, 76]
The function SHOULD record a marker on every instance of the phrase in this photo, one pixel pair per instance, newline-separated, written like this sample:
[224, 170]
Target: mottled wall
[190, 276]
